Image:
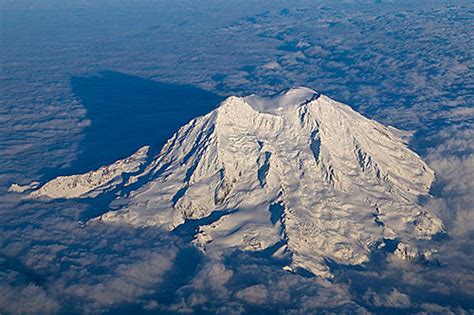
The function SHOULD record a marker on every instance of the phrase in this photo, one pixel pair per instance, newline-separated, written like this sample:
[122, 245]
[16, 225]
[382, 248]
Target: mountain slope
[297, 172]
[95, 182]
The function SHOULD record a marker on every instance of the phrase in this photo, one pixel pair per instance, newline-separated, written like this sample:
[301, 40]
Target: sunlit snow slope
[299, 173]
[92, 183]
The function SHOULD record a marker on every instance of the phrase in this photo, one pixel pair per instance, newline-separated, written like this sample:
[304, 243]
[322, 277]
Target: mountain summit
[297, 175]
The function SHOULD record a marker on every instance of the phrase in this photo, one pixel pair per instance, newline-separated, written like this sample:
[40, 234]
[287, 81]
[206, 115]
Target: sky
[84, 83]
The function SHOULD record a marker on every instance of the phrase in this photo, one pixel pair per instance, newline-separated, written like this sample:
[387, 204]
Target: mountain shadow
[127, 112]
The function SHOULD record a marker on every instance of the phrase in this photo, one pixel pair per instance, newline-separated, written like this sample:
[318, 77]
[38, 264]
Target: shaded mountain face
[297, 174]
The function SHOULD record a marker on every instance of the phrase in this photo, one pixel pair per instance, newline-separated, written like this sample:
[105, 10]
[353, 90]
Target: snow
[342, 182]
[92, 183]
[20, 189]
[282, 101]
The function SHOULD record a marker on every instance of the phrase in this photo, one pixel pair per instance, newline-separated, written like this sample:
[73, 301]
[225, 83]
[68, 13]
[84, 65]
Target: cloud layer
[403, 63]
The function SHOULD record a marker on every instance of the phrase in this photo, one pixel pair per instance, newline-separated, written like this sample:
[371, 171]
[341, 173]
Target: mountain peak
[282, 101]
[296, 172]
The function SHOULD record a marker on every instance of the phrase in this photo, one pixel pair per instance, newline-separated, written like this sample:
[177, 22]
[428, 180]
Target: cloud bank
[405, 64]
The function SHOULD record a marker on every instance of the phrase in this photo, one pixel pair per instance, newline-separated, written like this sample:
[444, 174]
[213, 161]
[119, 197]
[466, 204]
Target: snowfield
[92, 183]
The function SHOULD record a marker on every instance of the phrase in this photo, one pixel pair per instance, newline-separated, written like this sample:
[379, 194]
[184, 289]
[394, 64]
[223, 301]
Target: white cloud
[255, 294]
[26, 299]
[455, 177]
[394, 299]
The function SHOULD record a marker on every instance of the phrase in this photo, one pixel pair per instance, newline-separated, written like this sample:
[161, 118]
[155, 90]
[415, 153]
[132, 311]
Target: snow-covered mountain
[303, 176]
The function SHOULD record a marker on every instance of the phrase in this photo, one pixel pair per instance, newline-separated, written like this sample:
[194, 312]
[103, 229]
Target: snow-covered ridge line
[296, 172]
[95, 182]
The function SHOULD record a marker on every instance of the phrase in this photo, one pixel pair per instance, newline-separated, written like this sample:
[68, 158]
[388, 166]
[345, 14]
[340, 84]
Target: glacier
[297, 174]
